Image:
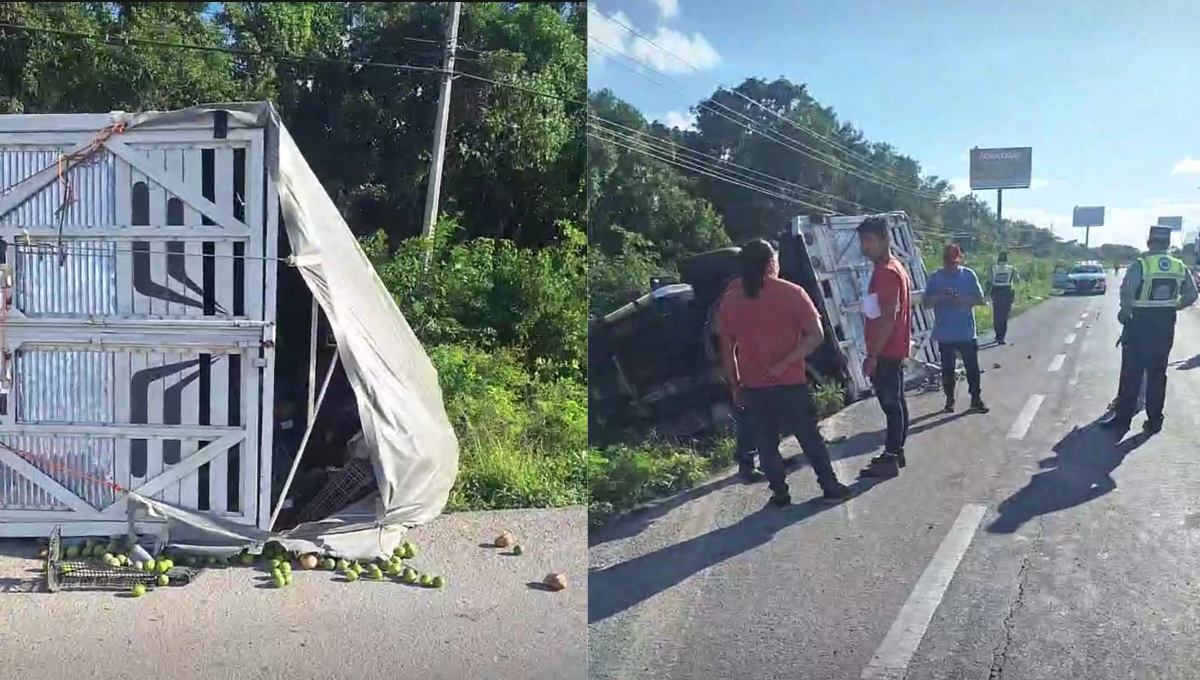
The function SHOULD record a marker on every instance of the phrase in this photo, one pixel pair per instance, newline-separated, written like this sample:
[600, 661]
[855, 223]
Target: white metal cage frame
[843, 275]
[137, 320]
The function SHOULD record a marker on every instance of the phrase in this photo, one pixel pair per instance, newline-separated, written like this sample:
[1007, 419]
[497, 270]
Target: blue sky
[1107, 92]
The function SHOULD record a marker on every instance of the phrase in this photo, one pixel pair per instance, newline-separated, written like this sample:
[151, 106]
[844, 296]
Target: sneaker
[886, 455]
[837, 494]
[949, 408]
[1152, 426]
[977, 406]
[781, 499]
[883, 467]
[1000, 341]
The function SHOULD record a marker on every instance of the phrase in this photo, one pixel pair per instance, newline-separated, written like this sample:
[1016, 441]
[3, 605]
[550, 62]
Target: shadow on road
[1079, 472]
[625, 585]
[1188, 364]
[840, 448]
[637, 521]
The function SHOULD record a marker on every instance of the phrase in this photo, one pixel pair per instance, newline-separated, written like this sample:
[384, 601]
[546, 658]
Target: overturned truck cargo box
[843, 274]
[138, 260]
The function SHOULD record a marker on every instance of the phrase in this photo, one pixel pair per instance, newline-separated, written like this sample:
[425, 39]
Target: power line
[866, 161]
[121, 40]
[712, 170]
[692, 165]
[740, 169]
[920, 229]
[686, 166]
[753, 127]
[43, 248]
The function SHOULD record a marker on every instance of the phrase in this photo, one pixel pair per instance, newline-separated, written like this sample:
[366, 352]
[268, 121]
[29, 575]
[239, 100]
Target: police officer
[1156, 286]
[1001, 283]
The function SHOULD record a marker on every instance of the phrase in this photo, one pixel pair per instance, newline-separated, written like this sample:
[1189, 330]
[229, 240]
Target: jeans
[950, 352]
[1145, 352]
[888, 382]
[1002, 302]
[788, 407]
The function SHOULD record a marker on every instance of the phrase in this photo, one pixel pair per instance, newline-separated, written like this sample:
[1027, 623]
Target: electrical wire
[754, 128]
[119, 41]
[28, 247]
[687, 166]
[714, 172]
[736, 168]
[696, 69]
[827, 158]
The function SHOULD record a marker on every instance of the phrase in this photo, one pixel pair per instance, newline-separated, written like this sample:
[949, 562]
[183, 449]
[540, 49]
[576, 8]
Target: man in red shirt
[888, 330]
[767, 328]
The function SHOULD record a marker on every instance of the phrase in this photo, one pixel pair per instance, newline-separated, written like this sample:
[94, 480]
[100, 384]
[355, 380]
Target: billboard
[1175, 222]
[1088, 216]
[1009, 168]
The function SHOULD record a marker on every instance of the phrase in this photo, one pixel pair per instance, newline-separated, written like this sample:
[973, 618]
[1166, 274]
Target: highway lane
[989, 557]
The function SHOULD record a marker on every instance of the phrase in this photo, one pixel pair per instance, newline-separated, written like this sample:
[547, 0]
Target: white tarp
[413, 446]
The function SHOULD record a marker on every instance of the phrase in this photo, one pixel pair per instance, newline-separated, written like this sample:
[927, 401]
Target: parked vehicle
[1061, 279]
[1088, 278]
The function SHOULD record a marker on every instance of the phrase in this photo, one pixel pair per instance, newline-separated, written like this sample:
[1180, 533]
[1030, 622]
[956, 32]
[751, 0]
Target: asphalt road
[1022, 544]
[488, 622]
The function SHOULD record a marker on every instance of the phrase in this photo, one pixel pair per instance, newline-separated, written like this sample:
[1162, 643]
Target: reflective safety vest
[1002, 275]
[1162, 282]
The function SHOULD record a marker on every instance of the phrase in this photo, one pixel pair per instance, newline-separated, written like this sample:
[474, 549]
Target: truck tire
[712, 267]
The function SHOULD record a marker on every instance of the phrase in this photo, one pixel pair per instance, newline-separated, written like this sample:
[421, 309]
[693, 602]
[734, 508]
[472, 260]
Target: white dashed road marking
[1079, 324]
[891, 659]
[1057, 363]
[1070, 339]
[1025, 417]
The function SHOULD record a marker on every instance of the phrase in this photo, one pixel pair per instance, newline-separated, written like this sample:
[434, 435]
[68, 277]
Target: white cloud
[668, 8]
[671, 51]
[678, 119]
[605, 33]
[675, 51]
[1186, 166]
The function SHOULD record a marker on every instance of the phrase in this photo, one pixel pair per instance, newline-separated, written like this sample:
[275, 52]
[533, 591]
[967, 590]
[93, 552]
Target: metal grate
[350, 484]
[83, 574]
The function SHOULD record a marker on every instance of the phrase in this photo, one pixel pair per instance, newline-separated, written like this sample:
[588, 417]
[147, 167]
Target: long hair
[754, 259]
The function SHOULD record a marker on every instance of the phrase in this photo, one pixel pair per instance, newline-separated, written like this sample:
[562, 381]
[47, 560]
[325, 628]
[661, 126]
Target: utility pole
[439, 129]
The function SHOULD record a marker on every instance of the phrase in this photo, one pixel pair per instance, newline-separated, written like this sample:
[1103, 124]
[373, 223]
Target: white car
[1087, 278]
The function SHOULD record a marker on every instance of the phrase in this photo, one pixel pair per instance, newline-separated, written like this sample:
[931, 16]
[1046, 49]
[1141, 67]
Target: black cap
[1160, 233]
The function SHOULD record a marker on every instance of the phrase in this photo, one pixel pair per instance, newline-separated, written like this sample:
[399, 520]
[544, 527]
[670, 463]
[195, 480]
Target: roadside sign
[1007, 168]
[1088, 216]
[1175, 222]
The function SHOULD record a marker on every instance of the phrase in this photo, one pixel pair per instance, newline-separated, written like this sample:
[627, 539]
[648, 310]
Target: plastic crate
[348, 485]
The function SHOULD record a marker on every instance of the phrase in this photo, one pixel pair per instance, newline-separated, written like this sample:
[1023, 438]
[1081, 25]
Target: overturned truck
[653, 363]
[150, 297]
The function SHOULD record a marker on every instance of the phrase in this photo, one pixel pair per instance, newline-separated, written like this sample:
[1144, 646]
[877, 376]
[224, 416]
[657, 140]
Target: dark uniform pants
[1145, 352]
[1002, 302]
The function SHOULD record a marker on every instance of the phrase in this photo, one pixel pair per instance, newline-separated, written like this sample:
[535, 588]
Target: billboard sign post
[1000, 169]
[1088, 217]
[1175, 222]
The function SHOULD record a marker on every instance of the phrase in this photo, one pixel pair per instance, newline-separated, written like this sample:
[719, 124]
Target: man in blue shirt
[954, 292]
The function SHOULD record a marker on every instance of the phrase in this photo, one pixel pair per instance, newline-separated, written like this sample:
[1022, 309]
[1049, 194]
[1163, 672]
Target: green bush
[506, 328]
[625, 476]
[491, 294]
[522, 439]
